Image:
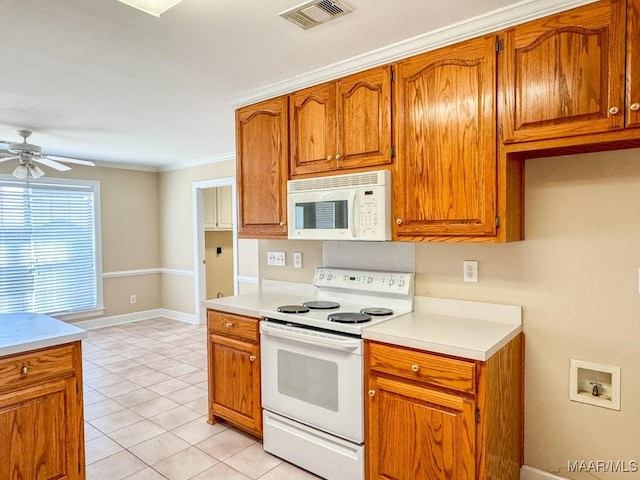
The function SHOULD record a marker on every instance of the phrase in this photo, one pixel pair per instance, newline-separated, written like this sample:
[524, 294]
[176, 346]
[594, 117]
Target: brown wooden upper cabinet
[344, 124]
[262, 169]
[444, 178]
[564, 75]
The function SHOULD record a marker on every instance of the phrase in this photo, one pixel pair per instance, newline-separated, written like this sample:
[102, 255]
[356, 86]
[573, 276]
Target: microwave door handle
[337, 344]
[352, 213]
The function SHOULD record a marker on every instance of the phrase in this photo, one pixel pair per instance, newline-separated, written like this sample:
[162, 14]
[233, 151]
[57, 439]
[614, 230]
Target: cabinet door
[563, 75]
[445, 172]
[262, 169]
[313, 130]
[364, 119]
[632, 113]
[39, 432]
[416, 433]
[209, 208]
[234, 379]
[224, 211]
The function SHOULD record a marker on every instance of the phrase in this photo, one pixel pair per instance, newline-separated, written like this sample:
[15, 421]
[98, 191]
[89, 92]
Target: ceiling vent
[312, 14]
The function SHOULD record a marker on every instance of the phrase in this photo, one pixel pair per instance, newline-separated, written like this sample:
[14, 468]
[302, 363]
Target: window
[49, 246]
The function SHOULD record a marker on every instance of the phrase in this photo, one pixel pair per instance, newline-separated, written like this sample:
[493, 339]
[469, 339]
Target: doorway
[216, 241]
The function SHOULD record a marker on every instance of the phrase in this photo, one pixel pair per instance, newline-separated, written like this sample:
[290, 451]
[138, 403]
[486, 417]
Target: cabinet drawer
[228, 324]
[34, 366]
[423, 367]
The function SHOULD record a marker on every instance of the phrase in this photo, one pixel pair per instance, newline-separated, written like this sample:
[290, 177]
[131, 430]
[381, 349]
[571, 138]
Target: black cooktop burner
[377, 311]
[321, 305]
[293, 309]
[349, 317]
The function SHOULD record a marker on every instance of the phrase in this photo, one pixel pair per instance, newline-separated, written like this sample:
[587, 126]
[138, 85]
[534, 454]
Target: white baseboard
[137, 316]
[530, 473]
[180, 316]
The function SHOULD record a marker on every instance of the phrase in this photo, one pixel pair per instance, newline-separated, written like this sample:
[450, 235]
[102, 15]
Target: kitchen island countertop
[23, 332]
[471, 330]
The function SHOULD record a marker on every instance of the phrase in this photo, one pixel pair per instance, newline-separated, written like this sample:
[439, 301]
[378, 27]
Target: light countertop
[23, 332]
[472, 330]
[464, 329]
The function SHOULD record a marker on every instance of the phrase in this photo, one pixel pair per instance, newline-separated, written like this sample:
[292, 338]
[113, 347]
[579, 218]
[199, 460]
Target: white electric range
[312, 368]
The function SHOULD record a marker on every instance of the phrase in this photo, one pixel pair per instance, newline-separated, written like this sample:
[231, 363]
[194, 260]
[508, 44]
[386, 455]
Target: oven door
[314, 378]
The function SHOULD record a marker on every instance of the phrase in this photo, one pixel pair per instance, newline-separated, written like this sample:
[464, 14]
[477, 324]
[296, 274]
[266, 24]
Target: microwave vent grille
[338, 181]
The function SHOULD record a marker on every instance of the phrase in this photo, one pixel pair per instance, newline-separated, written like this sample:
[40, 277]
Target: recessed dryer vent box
[595, 384]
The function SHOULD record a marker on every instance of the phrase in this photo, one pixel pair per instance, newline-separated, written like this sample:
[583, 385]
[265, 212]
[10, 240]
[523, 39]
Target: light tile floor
[145, 394]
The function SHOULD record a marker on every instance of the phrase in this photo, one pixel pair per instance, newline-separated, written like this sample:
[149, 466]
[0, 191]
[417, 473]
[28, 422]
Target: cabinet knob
[372, 393]
[282, 224]
[252, 358]
[338, 156]
[229, 324]
[635, 106]
[614, 110]
[329, 157]
[415, 367]
[399, 221]
[24, 370]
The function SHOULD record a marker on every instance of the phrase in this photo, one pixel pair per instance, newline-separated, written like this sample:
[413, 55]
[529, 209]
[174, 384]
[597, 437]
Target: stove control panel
[364, 280]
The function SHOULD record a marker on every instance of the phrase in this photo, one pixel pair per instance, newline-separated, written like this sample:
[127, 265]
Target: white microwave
[341, 207]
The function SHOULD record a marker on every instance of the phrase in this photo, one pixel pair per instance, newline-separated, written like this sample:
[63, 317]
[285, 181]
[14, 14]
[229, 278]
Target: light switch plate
[277, 259]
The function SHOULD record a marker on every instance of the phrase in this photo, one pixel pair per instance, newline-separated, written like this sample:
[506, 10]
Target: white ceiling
[102, 81]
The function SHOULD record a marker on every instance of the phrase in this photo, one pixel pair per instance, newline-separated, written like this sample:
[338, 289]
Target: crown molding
[198, 162]
[493, 21]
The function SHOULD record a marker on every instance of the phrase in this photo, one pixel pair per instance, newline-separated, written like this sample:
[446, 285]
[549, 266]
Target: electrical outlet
[470, 271]
[297, 259]
[276, 259]
[132, 299]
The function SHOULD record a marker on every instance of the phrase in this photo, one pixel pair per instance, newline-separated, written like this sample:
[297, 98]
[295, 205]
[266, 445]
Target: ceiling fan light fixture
[36, 171]
[21, 172]
[152, 7]
[24, 171]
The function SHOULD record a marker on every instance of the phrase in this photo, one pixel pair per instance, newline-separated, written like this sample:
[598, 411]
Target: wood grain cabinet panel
[563, 75]
[41, 415]
[262, 169]
[420, 429]
[234, 371]
[444, 182]
[341, 125]
[419, 433]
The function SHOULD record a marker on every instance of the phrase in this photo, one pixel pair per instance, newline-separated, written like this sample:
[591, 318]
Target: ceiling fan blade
[75, 161]
[51, 163]
[7, 158]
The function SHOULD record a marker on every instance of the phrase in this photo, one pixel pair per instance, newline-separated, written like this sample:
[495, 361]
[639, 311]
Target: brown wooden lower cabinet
[234, 371]
[41, 414]
[433, 417]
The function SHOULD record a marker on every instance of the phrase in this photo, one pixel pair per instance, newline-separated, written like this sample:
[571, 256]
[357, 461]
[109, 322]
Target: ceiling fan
[28, 155]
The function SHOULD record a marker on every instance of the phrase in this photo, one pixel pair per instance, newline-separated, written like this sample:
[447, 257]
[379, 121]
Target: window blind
[47, 248]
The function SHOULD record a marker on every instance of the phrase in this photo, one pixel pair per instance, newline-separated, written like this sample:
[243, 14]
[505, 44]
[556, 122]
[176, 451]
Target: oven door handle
[346, 344]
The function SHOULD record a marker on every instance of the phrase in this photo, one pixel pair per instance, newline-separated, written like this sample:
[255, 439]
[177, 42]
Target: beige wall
[576, 275]
[176, 233]
[130, 232]
[219, 266]
[311, 258]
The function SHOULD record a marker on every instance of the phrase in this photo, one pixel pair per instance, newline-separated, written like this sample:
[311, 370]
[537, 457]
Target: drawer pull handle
[372, 393]
[415, 367]
[24, 370]
[252, 358]
[229, 324]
